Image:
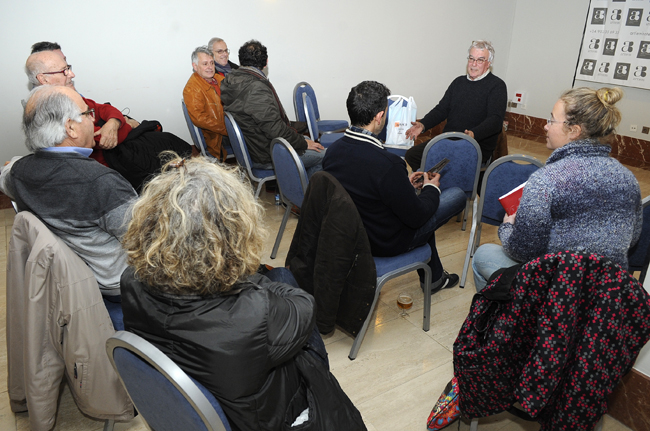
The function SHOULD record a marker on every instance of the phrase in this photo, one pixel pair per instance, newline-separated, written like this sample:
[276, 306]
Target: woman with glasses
[582, 200]
[192, 289]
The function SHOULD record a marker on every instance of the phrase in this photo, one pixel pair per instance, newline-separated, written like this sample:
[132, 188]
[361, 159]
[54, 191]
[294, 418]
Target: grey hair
[45, 118]
[483, 45]
[215, 40]
[201, 49]
[32, 69]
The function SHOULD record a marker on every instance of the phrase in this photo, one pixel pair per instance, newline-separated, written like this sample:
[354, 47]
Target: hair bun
[609, 96]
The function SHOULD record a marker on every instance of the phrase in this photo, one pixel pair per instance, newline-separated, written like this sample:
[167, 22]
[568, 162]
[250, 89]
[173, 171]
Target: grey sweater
[82, 202]
[582, 200]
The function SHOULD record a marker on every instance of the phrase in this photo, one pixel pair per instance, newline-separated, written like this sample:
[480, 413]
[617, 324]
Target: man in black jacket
[249, 96]
[395, 217]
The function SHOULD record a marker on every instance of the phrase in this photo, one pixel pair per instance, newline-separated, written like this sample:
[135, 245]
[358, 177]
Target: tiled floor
[400, 369]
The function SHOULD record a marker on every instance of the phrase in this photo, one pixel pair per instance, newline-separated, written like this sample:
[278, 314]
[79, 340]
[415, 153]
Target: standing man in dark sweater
[396, 218]
[474, 104]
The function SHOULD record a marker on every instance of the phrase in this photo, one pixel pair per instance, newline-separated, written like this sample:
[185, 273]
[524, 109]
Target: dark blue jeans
[314, 345]
[452, 202]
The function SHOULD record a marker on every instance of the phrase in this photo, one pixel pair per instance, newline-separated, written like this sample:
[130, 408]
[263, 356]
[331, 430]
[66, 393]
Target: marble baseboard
[629, 151]
[630, 401]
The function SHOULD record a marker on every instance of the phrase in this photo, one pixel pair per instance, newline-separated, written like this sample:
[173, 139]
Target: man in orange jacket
[202, 96]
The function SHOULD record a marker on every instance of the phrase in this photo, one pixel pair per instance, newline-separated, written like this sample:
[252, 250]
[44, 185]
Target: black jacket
[240, 346]
[250, 98]
[138, 158]
[330, 256]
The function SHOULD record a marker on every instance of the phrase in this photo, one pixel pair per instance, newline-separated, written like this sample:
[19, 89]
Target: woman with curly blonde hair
[582, 200]
[194, 245]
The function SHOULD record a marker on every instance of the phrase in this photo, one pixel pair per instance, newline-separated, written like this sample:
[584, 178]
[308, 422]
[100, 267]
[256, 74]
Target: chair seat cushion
[263, 173]
[385, 265]
[329, 139]
[332, 125]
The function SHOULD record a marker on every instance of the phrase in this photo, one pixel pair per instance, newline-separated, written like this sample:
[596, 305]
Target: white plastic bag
[401, 112]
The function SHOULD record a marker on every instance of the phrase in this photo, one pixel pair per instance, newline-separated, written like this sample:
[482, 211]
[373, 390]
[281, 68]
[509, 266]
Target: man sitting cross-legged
[396, 218]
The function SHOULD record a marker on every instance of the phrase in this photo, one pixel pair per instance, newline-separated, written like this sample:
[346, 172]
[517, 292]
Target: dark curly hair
[365, 101]
[253, 53]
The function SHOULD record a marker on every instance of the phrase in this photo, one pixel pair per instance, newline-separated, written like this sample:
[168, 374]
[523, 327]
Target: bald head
[52, 118]
[40, 65]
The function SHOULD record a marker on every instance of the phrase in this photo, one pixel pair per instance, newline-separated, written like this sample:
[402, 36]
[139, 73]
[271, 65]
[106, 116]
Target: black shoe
[448, 281]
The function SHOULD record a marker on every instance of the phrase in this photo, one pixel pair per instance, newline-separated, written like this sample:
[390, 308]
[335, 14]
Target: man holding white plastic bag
[395, 217]
[474, 104]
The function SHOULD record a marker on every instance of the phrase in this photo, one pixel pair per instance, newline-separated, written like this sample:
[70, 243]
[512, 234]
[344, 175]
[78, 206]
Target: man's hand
[431, 178]
[415, 129]
[108, 134]
[131, 122]
[470, 133]
[311, 145]
[413, 178]
[510, 218]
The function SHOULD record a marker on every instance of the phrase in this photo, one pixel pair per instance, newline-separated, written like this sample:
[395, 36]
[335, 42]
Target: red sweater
[103, 113]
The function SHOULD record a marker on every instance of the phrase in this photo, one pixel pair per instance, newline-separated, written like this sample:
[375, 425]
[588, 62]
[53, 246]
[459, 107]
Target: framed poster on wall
[616, 44]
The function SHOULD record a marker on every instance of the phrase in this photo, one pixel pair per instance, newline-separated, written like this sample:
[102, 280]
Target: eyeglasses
[550, 121]
[478, 61]
[90, 113]
[221, 51]
[66, 71]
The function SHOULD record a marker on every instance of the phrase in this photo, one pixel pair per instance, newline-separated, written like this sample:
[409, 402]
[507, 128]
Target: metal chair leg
[474, 425]
[109, 424]
[280, 232]
[362, 333]
[465, 215]
[426, 318]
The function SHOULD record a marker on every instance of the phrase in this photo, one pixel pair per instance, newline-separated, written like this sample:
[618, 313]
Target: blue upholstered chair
[115, 313]
[324, 126]
[500, 177]
[393, 267]
[292, 181]
[166, 397]
[464, 165]
[195, 133]
[639, 255]
[197, 136]
[313, 125]
[238, 142]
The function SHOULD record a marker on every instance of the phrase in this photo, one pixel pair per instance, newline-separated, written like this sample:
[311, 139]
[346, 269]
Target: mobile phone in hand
[436, 169]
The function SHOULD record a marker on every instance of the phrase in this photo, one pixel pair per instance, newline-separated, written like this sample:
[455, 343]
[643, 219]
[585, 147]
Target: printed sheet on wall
[616, 44]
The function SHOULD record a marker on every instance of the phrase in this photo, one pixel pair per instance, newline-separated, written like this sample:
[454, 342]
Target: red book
[510, 201]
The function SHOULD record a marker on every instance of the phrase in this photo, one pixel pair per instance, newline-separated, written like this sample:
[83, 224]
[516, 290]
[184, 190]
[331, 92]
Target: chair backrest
[464, 165]
[639, 255]
[289, 172]
[300, 89]
[310, 116]
[238, 143]
[166, 397]
[195, 133]
[501, 177]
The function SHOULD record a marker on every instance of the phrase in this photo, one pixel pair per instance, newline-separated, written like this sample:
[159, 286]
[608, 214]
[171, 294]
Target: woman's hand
[510, 218]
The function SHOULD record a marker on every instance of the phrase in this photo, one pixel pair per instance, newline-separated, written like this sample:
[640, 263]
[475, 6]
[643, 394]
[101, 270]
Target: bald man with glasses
[47, 65]
[134, 155]
[474, 104]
